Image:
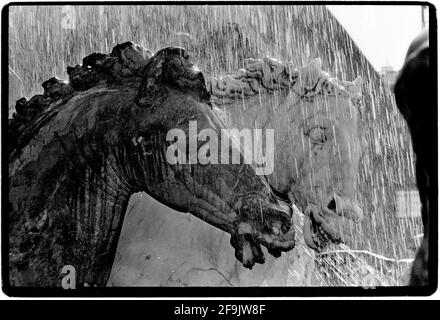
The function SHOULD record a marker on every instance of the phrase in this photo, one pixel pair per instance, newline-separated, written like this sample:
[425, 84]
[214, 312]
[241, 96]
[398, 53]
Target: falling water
[44, 40]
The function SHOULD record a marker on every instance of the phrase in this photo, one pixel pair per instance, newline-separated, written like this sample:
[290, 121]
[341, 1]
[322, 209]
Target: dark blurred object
[415, 97]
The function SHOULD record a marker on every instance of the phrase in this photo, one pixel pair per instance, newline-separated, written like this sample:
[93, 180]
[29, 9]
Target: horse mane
[127, 63]
[270, 75]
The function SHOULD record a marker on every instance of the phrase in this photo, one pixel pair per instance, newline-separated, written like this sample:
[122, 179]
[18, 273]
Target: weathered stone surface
[77, 156]
[168, 248]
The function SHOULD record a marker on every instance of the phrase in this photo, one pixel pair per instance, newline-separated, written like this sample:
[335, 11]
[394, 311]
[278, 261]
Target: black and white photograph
[219, 149]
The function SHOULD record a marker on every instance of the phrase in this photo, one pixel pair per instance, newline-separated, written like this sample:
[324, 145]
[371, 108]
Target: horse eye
[317, 135]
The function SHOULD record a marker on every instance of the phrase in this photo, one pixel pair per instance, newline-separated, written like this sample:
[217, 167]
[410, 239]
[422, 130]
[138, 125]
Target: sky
[383, 33]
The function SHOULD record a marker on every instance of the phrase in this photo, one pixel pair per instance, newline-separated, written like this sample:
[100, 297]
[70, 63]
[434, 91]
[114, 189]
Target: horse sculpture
[317, 138]
[80, 150]
[262, 95]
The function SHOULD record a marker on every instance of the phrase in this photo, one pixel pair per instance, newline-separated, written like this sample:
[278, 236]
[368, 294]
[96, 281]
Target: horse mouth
[323, 227]
[277, 235]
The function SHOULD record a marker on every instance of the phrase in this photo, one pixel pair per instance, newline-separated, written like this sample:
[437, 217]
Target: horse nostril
[332, 205]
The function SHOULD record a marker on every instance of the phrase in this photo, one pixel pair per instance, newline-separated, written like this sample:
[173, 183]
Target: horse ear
[169, 68]
[311, 72]
[355, 87]
[357, 84]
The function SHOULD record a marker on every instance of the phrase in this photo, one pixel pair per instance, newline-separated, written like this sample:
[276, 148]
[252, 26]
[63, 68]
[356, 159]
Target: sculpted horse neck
[80, 150]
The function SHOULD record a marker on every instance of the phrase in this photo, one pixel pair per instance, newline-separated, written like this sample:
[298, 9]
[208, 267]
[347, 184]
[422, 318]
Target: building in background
[408, 204]
[425, 17]
[388, 74]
